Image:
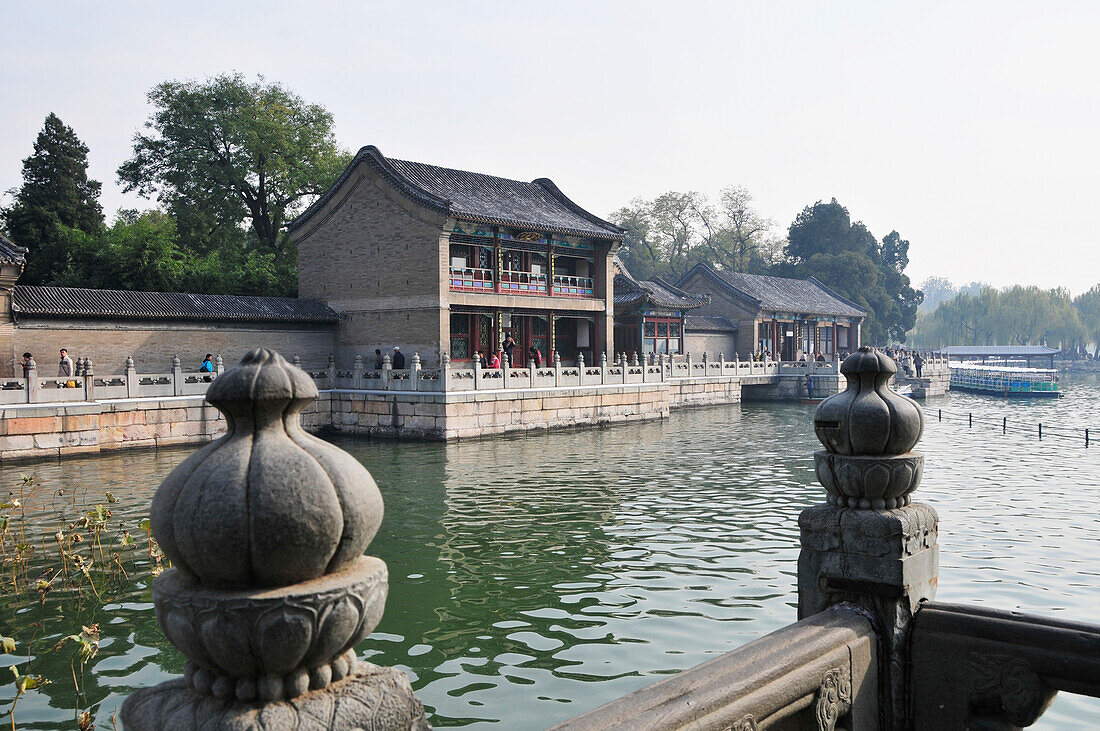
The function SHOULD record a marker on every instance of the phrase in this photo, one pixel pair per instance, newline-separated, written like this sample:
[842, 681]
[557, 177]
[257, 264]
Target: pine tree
[56, 195]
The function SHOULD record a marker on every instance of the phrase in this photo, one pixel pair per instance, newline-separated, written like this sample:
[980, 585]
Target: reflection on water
[533, 578]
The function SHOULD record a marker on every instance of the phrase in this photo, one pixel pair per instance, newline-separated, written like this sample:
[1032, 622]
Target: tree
[1088, 309]
[142, 251]
[56, 195]
[226, 151]
[823, 242]
[670, 234]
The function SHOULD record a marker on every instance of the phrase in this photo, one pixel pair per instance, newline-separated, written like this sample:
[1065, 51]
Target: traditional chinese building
[435, 260]
[786, 317]
[649, 315]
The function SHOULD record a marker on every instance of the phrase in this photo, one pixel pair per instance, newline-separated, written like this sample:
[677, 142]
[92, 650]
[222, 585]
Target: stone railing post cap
[868, 432]
[262, 375]
[267, 504]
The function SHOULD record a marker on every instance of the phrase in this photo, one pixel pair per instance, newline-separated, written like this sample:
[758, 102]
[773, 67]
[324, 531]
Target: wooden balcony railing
[469, 279]
[568, 286]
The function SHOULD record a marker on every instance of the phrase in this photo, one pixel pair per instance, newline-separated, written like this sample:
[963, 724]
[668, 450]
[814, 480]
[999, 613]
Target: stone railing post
[868, 544]
[177, 375]
[445, 371]
[414, 372]
[661, 364]
[34, 388]
[531, 371]
[603, 367]
[357, 373]
[477, 372]
[269, 590]
[623, 365]
[331, 367]
[557, 368]
[89, 380]
[505, 366]
[721, 364]
[688, 361]
[131, 378]
[634, 359]
[387, 367]
[219, 365]
[296, 361]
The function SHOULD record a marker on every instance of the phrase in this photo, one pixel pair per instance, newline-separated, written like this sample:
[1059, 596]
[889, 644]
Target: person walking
[398, 361]
[27, 360]
[377, 359]
[65, 369]
[207, 364]
[918, 363]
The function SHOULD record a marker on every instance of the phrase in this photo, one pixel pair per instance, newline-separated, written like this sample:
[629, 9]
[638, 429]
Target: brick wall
[152, 345]
[713, 344]
[722, 303]
[376, 258]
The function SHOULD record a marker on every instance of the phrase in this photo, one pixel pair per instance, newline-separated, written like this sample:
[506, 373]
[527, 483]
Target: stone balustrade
[872, 648]
[85, 386]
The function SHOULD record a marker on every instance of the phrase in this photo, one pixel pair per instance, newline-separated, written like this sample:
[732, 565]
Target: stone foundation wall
[40, 431]
[705, 392]
[792, 388]
[466, 415]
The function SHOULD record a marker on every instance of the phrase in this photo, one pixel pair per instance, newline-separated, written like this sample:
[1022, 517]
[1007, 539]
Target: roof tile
[74, 302]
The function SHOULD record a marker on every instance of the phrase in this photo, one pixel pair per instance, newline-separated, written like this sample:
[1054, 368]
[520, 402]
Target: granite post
[177, 376]
[868, 544]
[131, 378]
[269, 590]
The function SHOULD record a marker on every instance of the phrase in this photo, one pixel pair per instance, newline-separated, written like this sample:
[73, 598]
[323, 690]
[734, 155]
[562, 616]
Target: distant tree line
[1015, 315]
[670, 234]
[229, 162]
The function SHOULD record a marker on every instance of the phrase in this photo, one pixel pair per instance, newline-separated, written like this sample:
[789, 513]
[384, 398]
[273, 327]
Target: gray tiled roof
[113, 303]
[781, 294]
[708, 323]
[10, 253]
[630, 292]
[478, 197]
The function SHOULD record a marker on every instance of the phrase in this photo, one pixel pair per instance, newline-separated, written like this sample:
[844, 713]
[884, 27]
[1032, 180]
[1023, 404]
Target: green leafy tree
[823, 242]
[225, 151]
[142, 251]
[56, 196]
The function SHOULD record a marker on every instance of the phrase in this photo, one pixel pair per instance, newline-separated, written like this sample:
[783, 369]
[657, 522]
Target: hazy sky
[971, 128]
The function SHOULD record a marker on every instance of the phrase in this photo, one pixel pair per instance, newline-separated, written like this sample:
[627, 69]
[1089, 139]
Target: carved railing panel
[976, 667]
[817, 673]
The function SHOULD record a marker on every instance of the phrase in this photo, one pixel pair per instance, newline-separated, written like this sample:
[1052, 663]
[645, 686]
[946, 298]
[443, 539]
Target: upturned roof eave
[374, 157]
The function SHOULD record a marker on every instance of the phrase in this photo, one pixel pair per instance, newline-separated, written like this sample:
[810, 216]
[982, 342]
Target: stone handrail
[819, 669]
[1002, 668]
[84, 385]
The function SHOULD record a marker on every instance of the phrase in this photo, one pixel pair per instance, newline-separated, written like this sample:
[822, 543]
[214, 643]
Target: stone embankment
[158, 410]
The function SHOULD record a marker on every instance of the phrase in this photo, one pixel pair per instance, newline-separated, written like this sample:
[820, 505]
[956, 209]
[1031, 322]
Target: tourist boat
[1004, 379]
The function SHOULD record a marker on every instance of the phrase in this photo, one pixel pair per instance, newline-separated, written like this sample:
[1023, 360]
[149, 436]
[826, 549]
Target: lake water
[533, 578]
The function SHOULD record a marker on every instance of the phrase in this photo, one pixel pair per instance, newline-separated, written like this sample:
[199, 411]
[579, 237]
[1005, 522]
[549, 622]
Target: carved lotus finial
[868, 418]
[267, 504]
[868, 432]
